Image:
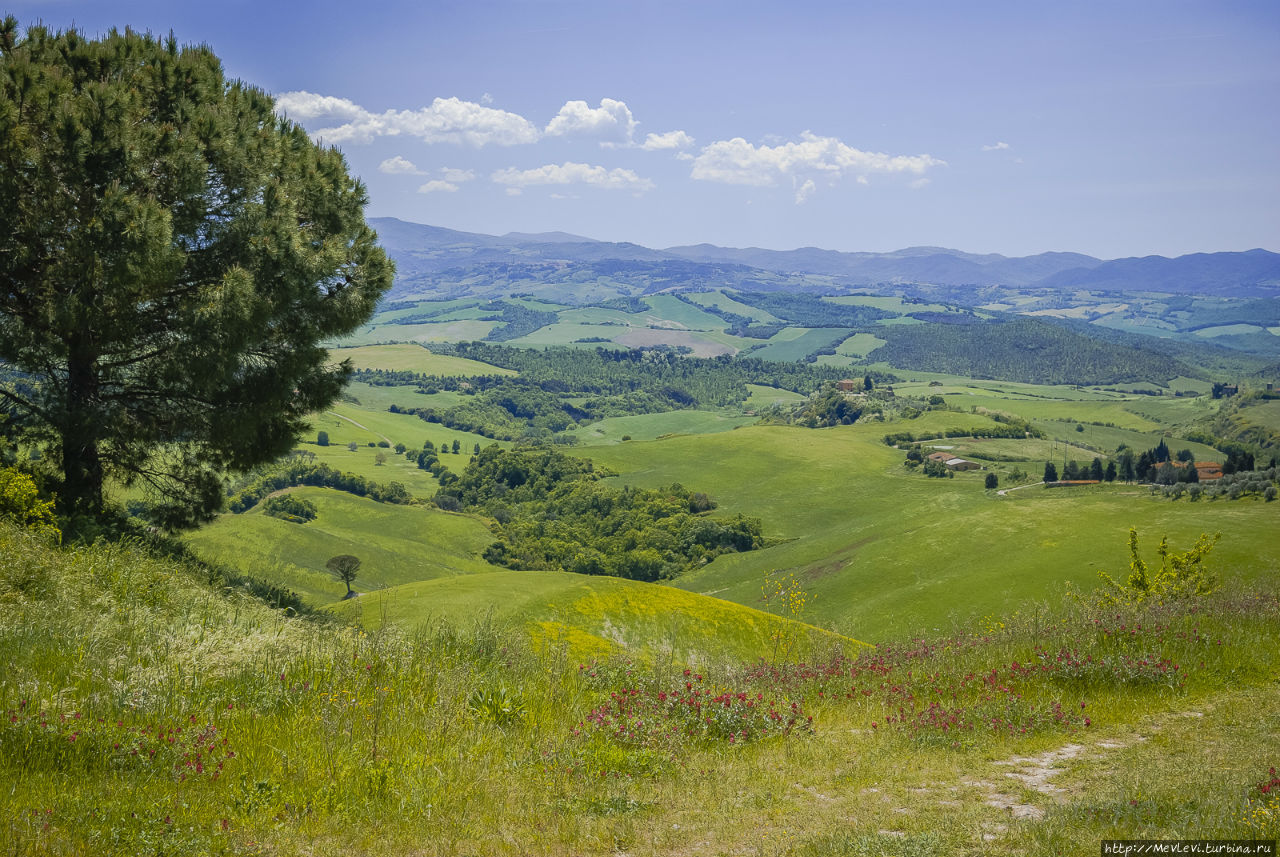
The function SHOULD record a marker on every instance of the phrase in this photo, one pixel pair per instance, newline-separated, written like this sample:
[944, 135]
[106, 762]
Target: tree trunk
[81, 460]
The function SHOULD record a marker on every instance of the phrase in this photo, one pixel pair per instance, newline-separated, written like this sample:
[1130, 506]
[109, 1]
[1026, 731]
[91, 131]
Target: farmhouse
[1208, 471]
[848, 385]
[954, 463]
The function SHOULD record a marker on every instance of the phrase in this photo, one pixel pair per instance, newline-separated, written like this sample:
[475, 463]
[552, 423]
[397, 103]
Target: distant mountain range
[419, 250]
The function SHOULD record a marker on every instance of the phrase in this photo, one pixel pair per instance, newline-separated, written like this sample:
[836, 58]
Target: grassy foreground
[146, 711]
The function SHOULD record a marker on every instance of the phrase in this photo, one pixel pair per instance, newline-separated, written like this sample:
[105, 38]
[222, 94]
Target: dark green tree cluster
[552, 513]
[318, 475]
[172, 254]
[289, 508]
[937, 470]
[1021, 349]
[428, 459]
[517, 321]
[831, 407]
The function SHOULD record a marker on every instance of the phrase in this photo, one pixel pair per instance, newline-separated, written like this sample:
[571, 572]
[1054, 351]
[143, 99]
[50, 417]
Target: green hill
[600, 616]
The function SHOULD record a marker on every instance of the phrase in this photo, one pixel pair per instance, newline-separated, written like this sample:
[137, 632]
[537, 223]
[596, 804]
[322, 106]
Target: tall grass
[148, 712]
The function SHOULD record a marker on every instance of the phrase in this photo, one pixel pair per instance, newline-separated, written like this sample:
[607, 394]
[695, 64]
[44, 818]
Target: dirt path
[1004, 491]
[359, 426]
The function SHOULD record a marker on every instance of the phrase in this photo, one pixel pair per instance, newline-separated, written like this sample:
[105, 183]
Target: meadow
[148, 709]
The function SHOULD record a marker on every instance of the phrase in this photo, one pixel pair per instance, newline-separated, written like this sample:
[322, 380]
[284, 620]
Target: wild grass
[147, 713]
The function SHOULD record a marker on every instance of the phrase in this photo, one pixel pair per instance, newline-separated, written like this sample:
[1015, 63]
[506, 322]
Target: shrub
[1180, 575]
[20, 501]
[290, 508]
[322, 439]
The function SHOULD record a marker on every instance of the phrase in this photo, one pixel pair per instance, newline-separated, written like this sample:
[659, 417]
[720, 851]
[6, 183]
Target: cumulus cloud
[573, 173]
[997, 147]
[438, 186]
[669, 140]
[611, 122]
[446, 120]
[738, 162]
[399, 166]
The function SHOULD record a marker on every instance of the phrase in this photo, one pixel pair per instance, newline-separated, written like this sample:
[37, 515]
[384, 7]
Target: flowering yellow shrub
[20, 501]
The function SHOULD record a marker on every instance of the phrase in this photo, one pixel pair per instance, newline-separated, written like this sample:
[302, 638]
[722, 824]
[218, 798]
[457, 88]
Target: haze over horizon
[993, 128]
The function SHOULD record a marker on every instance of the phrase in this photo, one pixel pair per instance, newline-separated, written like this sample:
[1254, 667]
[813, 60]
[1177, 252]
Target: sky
[1114, 129]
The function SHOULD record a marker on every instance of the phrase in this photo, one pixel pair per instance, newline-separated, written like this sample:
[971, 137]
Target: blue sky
[1115, 129]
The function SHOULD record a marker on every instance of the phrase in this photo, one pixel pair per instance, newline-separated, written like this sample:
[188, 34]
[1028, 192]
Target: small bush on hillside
[1180, 575]
[290, 508]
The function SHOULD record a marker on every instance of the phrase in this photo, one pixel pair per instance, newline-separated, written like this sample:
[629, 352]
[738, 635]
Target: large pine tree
[173, 254]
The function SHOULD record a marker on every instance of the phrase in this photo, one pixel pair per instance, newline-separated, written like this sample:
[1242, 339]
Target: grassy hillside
[147, 712]
[600, 617]
[396, 544]
[885, 551]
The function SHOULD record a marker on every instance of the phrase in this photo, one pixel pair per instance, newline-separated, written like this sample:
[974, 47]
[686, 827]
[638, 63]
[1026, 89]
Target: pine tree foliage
[172, 256]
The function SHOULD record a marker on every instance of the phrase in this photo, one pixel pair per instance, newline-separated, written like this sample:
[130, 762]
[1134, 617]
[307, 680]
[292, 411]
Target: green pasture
[859, 345]
[599, 616]
[1108, 439]
[760, 396]
[1029, 454]
[415, 358]
[889, 303]
[702, 343]
[642, 427]
[448, 331]
[885, 551]
[420, 307]
[406, 428]
[396, 544]
[722, 301]
[795, 343]
[375, 397]
[363, 462]
[672, 309]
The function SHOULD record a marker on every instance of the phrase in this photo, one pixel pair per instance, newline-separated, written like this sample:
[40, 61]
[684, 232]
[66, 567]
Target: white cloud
[669, 140]
[304, 106]
[997, 147]
[805, 191]
[486, 99]
[612, 121]
[457, 176]
[398, 166]
[447, 120]
[572, 173]
[514, 191]
[437, 186]
[738, 162]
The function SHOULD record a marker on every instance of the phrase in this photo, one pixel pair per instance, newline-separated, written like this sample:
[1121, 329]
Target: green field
[795, 343]
[396, 544]
[414, 358]
[653, 426]
[764, 397]
[888, 552]
[728, 304]
[597, 617]
[860, 345]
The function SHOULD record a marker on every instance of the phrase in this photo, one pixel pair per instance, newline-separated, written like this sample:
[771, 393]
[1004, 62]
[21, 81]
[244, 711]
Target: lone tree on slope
[344, 567]
[172, 254]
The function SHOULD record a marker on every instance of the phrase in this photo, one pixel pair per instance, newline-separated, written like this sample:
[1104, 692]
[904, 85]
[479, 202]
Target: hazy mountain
[420, 249]
[1248, 274]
